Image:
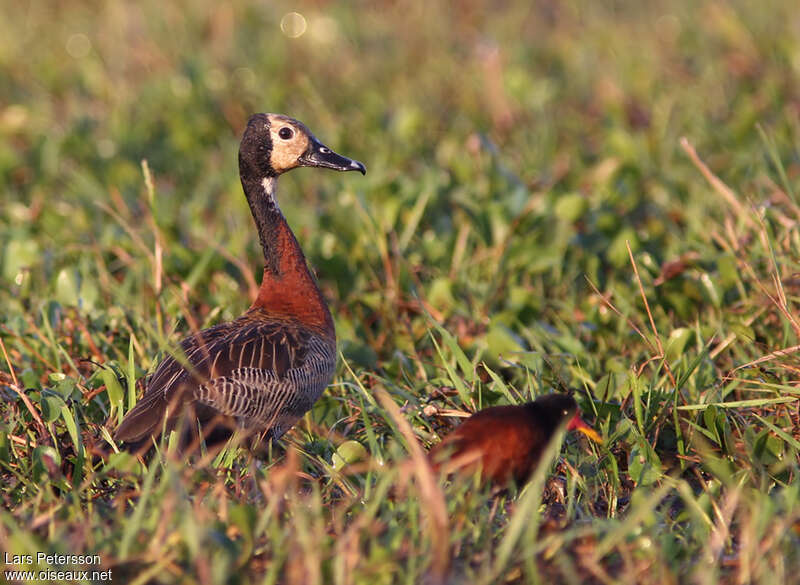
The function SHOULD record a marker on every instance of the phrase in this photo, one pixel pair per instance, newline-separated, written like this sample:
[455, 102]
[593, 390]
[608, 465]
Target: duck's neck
[288, 289]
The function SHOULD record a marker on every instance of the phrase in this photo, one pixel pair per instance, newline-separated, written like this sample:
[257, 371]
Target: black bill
[319, 155]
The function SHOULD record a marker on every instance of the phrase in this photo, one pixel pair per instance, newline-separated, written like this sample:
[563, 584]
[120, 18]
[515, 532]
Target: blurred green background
[480, 124]
[514, 151]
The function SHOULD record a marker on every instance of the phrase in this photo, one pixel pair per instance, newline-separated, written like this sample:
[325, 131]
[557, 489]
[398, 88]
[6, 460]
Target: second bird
[263, 371]
[506, 442]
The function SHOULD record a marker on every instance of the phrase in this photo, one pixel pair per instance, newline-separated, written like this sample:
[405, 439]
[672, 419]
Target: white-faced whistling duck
[506, 442]
[261, 372]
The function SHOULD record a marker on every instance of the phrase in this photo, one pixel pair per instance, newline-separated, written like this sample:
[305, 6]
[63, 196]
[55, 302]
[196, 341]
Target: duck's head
[273, 144]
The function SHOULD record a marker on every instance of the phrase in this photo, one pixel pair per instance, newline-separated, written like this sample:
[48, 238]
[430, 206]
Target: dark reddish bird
[264, 370]
[506, 442]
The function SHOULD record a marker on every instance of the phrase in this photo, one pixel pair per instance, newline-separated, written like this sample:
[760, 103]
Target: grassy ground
[530, 221]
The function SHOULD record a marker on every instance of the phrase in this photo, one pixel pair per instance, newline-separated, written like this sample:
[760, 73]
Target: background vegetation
[515, 153]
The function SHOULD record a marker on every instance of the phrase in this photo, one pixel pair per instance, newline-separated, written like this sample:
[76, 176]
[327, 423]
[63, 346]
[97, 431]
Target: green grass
[515, 154]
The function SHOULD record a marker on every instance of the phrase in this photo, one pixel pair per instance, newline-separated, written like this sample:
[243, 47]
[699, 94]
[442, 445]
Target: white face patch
[270, 184]
[290, 139]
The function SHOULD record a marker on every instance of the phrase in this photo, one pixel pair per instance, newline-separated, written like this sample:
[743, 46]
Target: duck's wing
[259, 372]
[268, 385]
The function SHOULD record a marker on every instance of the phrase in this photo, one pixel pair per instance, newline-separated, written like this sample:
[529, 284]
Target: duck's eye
[285, 133]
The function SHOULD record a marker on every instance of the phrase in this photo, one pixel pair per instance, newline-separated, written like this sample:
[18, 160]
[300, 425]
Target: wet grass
[560, 196]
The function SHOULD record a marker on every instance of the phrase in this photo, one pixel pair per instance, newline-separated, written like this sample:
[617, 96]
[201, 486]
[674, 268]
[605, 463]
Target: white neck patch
[270, 185]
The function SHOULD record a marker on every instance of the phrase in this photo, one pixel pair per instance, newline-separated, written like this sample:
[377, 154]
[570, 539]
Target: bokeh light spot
[78, 46]
[293, 24]
[106, 148]
[181, 86]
